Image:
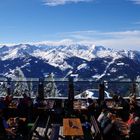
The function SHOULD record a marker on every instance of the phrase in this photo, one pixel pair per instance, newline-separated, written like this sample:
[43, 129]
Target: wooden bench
[33, 129]
[46, 128]
[55, 132]
[96, 134]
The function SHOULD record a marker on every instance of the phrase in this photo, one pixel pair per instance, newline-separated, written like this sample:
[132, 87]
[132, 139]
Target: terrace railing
[60, 87]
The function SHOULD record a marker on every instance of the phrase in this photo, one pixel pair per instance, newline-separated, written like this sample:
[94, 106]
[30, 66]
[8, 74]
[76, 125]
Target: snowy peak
[14, 52]
[53, 53]
[88, 60]
[87, 51]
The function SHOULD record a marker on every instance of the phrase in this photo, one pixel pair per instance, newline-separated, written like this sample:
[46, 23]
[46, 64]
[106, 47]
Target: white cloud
[136, 1]
[55, 43]
[62, 2]
[7, 44]
[129, 40]
[116, 40]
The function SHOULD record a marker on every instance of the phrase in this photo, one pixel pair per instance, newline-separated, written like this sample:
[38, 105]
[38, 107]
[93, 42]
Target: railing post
[101, 92]
[134, 88]
[71, 93]
[41, 89]
[8, 87]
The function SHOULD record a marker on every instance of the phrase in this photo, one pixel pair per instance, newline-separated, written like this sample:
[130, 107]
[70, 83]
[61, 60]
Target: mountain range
[85, 60]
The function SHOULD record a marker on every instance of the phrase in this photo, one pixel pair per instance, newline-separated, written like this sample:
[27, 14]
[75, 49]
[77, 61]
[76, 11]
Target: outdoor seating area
[69, 118]
[116, 118]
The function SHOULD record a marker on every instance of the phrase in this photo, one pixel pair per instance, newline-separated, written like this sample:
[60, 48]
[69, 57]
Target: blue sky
[111, 23]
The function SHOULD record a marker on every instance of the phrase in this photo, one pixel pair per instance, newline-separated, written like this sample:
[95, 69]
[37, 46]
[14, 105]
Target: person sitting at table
[124, 112]
[106, 120]
[5, 130]
[102, 115]
[115, 102]
[8, 99]
[38, 102]
[131, 119]
[86, 125]
[93, 108]
[132, 100]
[122, 128]
[25, 99]
[103, 105]
[3, 106]
[23, 106]
[110, 130]
[135, 129]
[134, 107]
[2, 103]
[3, 135]
[89, 101]
[22, 129]
[123, 103]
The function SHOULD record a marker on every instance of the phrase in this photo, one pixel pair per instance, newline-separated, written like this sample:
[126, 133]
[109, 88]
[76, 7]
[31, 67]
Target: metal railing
[60, 87]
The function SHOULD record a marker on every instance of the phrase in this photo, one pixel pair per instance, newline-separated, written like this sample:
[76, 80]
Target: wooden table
[72, 127]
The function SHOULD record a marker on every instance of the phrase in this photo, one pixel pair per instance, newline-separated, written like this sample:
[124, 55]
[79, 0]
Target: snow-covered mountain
[86, 60]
